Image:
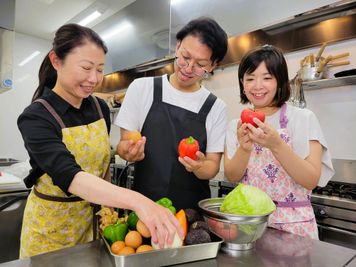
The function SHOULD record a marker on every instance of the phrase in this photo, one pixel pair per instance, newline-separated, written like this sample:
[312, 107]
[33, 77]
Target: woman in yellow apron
[65, 131]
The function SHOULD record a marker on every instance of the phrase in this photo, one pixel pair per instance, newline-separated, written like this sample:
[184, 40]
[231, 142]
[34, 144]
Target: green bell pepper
[173, 210]
[115, 232]
[167, 203]
[109, 233]
[132, 220]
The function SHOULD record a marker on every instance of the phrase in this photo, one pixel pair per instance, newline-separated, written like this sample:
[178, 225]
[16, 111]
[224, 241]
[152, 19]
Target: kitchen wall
[15, 100]
[335, 107]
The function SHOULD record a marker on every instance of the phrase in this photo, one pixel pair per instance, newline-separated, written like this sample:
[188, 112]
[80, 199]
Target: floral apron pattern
[51, 225]
[294, 212]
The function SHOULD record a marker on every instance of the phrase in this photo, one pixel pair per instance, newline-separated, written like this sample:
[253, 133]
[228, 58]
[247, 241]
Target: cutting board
[8, 179]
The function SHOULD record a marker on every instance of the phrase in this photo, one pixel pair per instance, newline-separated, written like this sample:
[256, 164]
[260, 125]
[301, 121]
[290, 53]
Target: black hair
[210, 34]
[67, 38]
[276, 66]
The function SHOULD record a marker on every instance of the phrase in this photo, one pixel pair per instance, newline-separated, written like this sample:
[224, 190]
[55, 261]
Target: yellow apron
[51, 225]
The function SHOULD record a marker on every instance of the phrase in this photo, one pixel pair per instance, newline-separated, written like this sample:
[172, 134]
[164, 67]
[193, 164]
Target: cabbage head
[247, 200]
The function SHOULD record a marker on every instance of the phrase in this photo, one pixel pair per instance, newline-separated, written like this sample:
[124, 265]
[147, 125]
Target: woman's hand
[243, 136]
[265, 135]
[132, 151]
[160, 221]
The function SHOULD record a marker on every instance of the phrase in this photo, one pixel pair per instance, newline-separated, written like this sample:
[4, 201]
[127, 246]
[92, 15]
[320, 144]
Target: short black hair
[276, 66]
[210, 34]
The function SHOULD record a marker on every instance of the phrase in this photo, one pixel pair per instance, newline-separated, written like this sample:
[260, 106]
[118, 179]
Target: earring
[244, 92]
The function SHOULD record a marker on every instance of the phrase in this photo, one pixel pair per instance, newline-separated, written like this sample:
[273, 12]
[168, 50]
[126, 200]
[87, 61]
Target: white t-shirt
[302, 127]
[139, 98]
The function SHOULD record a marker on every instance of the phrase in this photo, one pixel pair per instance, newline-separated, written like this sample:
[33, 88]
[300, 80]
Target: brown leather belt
[71, 199]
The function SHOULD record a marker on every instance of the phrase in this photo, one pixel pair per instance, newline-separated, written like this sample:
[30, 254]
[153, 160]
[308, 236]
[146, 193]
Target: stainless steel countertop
[275, 248]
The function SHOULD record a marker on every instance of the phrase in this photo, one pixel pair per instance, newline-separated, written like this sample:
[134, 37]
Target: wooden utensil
[321, 50]
[338, 64]
[340, 56]
[311, 59]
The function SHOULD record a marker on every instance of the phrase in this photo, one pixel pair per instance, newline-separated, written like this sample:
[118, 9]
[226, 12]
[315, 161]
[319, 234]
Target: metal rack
[328, 83]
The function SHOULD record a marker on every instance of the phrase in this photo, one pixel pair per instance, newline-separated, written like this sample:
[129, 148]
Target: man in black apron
[201, 44]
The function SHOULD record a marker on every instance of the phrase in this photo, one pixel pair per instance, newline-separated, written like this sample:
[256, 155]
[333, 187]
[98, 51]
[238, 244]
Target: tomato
[227, 232]
[247, 116]
[188, 147]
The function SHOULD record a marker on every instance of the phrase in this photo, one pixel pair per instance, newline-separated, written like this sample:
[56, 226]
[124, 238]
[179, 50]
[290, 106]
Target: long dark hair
[67, 38]
[276, 66]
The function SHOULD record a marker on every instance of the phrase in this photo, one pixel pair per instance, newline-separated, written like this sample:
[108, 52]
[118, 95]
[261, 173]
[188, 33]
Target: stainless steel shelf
[327, 83]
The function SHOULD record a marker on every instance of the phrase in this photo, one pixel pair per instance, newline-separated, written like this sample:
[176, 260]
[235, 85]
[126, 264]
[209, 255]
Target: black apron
[160, 174]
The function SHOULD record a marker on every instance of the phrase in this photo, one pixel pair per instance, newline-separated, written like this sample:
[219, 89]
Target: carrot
[180, 215]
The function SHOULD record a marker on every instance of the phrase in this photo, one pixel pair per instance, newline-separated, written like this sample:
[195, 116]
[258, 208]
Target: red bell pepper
[188, 147]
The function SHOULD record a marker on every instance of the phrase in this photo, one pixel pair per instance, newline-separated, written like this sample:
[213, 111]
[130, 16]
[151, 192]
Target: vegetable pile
[129, 235]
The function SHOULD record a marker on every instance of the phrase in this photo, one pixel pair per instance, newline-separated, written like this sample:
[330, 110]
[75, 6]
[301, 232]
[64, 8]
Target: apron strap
[157, 89]
[55, 198]
[208, 104]
[52, 111]
[283, 120]
[98, 107]
[292, 204]
[96, 208]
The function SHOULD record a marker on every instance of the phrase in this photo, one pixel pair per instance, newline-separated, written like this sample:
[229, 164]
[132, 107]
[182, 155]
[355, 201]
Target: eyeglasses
[184, 63]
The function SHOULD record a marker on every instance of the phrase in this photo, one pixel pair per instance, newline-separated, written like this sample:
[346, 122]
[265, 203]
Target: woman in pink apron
[286, 156]
[65, 131]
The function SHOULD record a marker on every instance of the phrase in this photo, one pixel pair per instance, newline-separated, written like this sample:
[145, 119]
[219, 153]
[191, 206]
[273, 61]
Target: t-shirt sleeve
[231, 139]
[307, 128]
[216, 137]
[128, 117]
[43, 142]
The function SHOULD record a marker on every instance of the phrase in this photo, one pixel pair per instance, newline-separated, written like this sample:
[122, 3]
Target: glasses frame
[205, 74]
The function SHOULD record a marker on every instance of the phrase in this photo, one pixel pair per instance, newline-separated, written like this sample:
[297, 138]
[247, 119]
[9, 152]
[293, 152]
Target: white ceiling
[148, 38]
[41, 18]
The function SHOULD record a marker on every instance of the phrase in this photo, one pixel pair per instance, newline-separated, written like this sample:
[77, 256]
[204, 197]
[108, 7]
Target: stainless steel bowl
[239, 232]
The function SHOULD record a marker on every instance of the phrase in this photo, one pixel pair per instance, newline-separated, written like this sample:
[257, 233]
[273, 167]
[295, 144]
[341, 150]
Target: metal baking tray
[169, 256]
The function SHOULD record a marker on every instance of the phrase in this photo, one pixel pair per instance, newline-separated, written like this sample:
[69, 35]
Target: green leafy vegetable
[247, 200]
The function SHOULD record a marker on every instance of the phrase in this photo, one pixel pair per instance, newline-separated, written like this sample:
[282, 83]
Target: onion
[177, 242]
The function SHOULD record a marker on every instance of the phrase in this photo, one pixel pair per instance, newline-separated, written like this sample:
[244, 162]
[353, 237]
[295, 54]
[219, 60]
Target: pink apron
[294, 212]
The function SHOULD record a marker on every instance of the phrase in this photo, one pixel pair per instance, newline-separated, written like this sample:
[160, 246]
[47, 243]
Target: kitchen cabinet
[12, 205]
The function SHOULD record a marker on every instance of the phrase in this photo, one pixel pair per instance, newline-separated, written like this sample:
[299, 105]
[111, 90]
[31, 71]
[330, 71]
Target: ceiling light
[29, 58]
[119, 28]
[175, 2]
[96, 14]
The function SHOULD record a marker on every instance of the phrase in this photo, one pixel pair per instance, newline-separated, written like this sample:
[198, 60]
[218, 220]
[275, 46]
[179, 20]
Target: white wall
[335, 107]
[13, 102]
